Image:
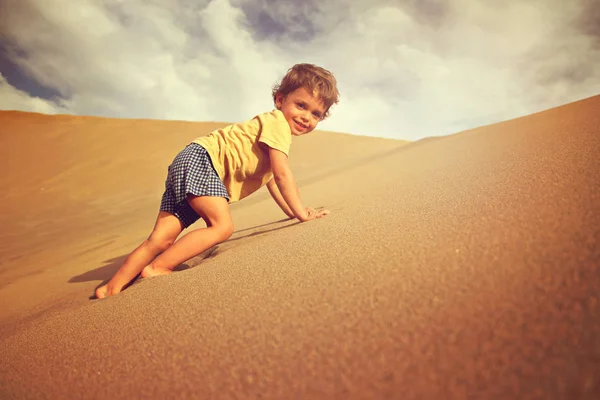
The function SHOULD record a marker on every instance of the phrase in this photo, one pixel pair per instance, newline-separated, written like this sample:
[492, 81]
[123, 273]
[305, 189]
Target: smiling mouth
[301, 125]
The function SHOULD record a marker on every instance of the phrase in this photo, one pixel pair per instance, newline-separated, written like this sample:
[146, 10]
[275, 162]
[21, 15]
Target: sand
[451, 267]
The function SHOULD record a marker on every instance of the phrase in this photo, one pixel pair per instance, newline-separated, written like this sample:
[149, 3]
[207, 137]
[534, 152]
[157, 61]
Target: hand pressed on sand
[316, 213]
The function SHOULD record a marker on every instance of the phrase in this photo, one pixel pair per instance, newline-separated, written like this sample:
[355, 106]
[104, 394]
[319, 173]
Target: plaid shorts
[190, 172]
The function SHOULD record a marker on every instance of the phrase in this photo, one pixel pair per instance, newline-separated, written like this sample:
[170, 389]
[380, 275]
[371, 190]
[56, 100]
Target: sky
[406, 69]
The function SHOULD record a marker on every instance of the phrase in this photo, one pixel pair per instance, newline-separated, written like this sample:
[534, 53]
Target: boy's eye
[300, 105]
[317, 115]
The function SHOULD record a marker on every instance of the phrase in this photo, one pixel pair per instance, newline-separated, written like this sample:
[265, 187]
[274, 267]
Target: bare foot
[150, 271]
[104, 291]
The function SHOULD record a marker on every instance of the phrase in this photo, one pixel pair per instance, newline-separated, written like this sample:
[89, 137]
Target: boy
[226, 166]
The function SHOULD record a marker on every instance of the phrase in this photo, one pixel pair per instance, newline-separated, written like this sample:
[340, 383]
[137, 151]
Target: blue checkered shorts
[190, 172]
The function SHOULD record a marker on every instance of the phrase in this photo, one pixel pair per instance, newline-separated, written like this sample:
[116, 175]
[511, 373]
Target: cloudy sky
[406, 68]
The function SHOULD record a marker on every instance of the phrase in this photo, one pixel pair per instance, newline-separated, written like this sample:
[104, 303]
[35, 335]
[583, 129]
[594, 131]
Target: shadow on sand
[107, 271]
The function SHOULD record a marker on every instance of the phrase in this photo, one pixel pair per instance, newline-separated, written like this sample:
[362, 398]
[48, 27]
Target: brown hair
[314, 79]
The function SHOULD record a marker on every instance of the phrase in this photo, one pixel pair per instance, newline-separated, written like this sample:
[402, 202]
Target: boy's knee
[225, 230]
[160, 243]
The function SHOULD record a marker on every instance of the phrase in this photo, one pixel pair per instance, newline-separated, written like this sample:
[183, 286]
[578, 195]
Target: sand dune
[452, 266]
[82, 190]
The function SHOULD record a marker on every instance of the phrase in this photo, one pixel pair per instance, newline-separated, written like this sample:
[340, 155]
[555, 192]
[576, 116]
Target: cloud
[405, 69]
[15, 99]
[105, 61]
[470, 64]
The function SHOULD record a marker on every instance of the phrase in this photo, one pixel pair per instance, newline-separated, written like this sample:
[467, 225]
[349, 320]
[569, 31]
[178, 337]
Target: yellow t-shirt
[240, 161]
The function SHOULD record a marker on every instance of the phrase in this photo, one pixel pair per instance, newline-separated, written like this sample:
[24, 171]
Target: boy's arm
[284, 179]
[272, 186]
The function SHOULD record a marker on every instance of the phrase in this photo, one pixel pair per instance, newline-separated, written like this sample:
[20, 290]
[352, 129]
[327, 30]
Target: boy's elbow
[280, 176]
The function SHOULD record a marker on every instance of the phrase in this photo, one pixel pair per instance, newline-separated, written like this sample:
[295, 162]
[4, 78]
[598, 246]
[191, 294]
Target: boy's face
[301, 109]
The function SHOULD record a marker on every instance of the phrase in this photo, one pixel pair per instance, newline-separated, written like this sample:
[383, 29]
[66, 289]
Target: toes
[146, 272]
[101, 292]
[149, 272]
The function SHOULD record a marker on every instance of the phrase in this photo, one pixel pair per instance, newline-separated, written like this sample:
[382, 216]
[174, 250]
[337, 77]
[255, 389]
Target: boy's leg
[215, 212]
[166, 229]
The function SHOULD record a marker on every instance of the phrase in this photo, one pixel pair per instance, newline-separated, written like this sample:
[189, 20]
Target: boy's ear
[279, 98]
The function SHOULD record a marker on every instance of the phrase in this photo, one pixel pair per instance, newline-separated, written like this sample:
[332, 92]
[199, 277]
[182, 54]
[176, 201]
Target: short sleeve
[275, 131]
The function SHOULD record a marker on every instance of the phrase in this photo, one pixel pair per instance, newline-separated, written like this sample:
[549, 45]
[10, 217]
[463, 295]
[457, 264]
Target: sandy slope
[452, 266]
[83, 192]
